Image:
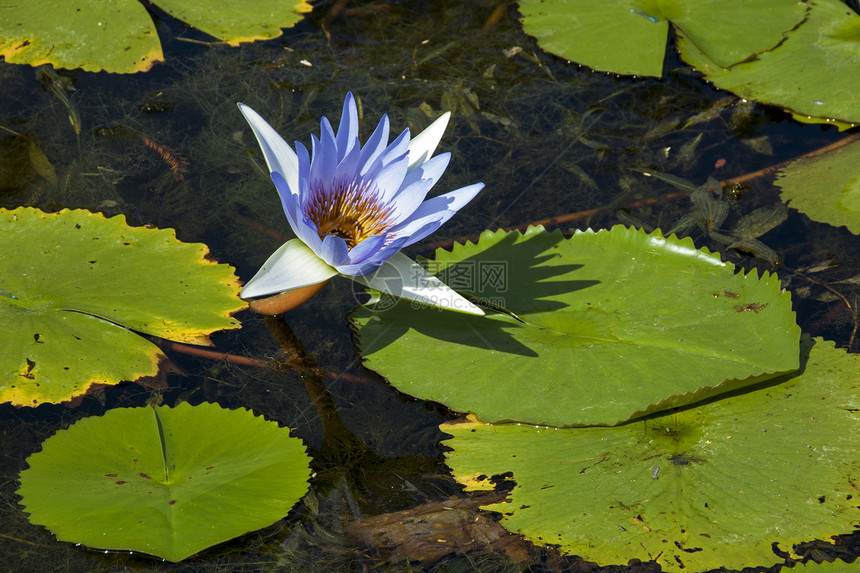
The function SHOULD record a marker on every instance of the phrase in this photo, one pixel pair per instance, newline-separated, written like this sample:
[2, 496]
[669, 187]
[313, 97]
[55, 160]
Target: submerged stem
[335, 433]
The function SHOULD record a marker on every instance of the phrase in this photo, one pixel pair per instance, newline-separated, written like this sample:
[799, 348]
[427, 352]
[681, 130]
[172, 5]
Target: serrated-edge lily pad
[836, 566]
[164, 481]
[813, 73]
[629, 36]
[706, 487]
[825, 187]
[613, 325]
[73, 287]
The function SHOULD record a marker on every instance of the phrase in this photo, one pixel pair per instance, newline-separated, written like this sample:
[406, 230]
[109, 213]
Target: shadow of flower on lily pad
[604, 327]
[510, 280]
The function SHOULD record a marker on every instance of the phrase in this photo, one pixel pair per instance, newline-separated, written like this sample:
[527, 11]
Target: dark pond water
[548, 138]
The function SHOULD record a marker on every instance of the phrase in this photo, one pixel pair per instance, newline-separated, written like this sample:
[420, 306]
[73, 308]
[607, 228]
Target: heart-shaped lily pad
[629, 36]
[702, 488]
[613, 325]
[165, 481]
[801, 56]
[813, 73]
[73, 287]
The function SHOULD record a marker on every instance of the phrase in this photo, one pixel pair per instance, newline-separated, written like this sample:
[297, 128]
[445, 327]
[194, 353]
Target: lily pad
[238, 22]
[611, 325]
[73, 287]
[112, 36]
[120, 36]
[629, 36]
[709, 486]
[165, 481]
[837, 566]
[826, 187]
[813, 73]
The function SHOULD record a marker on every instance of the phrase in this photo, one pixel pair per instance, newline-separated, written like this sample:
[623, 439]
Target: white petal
[293, 265]
[404, 278]
[423, 145]
[279, 156]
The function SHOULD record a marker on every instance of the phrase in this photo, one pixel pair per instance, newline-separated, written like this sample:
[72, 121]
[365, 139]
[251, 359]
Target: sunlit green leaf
[836, 566]
[119, 36]
[705, 487]
[237, 22]
[801, 56]
[826, 187]
[629, 36]
[164, 481]
[813, 73]
[73, 287]
[614, 324]
[114, 36]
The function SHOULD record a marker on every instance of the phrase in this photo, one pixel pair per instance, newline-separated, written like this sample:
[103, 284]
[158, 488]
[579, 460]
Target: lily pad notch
[719, 484]
[120, 36]
[800, 56]
[76, 288]
[165, 481]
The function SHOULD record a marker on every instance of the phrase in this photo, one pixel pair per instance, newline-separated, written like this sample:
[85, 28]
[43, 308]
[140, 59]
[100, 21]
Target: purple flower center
[347, 210]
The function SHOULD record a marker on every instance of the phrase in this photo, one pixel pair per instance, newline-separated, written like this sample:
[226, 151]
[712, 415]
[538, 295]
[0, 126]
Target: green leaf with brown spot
[74, 288]
[165, 481]
[708, 486]
[611, 325]
[119, 36]
[116, 36]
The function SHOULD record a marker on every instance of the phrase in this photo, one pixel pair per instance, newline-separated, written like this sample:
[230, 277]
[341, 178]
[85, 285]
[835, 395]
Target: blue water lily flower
[353, 208]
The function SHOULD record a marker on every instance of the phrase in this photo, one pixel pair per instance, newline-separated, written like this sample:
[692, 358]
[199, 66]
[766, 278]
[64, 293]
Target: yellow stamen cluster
[348, 211]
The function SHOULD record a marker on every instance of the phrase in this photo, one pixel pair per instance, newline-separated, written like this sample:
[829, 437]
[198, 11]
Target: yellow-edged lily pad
[719, 484]
[120, 36]
[75, 285]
